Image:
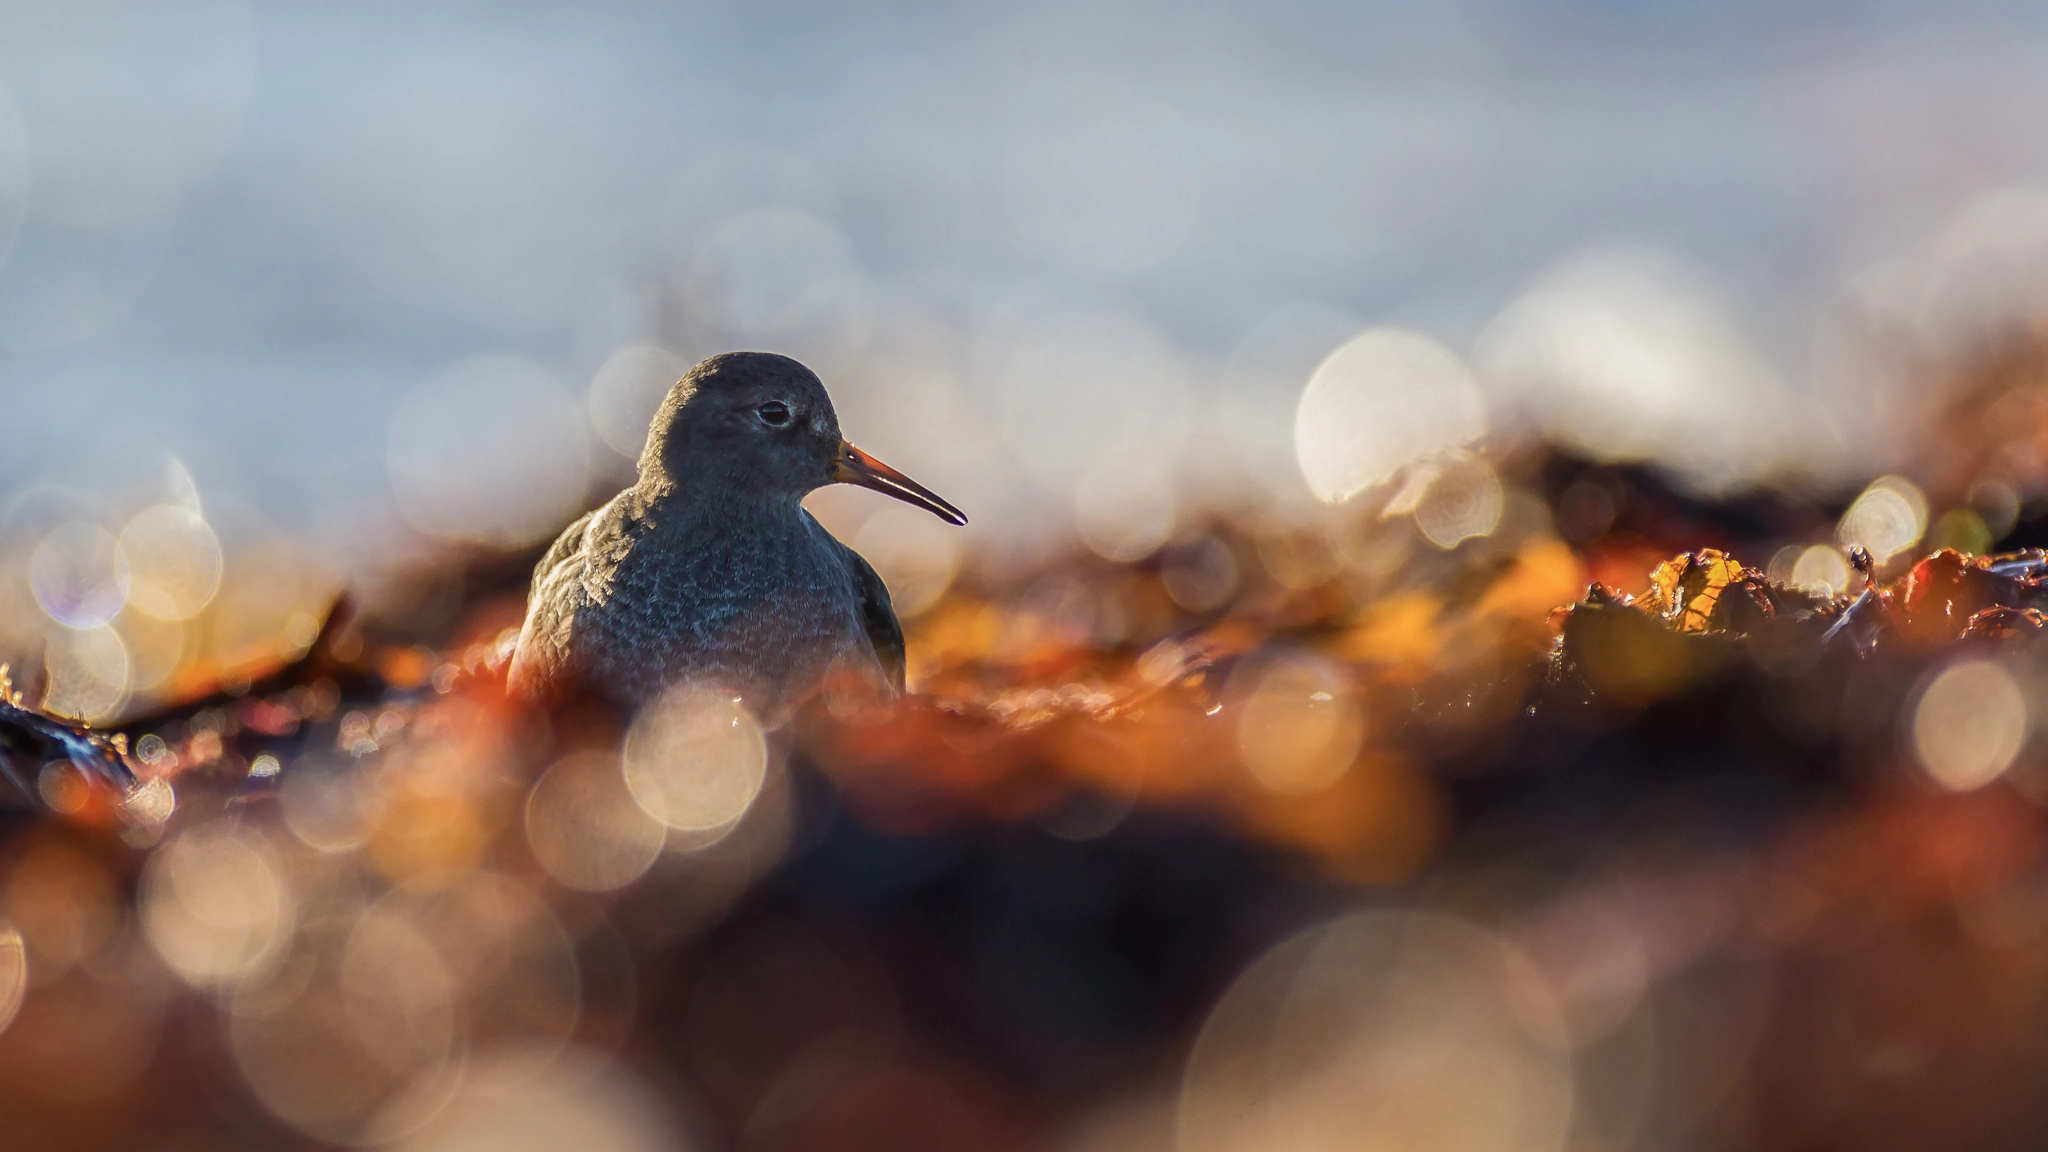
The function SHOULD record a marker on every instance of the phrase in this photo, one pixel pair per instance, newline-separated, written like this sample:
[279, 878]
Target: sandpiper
[708, 571]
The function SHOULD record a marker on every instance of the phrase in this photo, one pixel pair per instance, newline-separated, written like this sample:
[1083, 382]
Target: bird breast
[762, 609]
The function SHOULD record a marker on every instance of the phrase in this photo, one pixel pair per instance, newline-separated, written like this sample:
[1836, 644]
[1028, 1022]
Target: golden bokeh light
[510, 960]
[157, 649]
[215, 904]
[330, 804]
[87, 673]
[580, 1102]
[390, 969]
[13, 973]
[357, 1019]
[1969, 725]
[1822, 569]
[364, 1029]
[510, 964]
[585, 828]
[1299, 727]
[1888, 518]
[1386, 1029]
[148, 805]
[267, 584]
[62, 788]
[174, 562]
[695, 759]
[1384, 400]
[1463, 500]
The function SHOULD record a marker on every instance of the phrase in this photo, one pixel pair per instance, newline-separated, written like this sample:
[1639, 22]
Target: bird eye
[774, 413]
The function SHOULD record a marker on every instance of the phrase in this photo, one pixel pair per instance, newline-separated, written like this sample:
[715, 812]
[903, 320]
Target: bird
[708, 571]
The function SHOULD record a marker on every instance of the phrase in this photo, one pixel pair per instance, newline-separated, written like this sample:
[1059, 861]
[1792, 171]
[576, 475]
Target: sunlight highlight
[1463, 500]
[1384, 400]
[1822, 569]
[1299, 729]
[88, 673]
[1969, 725]
[695, 760]
[1385, 1029]
[585, 827]
[1888, 518]
[174, 560]
[214, 905]
[13, 973]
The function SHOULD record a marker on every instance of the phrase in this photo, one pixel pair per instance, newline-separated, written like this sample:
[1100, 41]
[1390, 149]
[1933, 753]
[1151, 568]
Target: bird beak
[857, 467]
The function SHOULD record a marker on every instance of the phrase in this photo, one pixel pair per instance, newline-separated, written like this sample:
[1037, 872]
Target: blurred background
[1293, 361]
[1029, 248]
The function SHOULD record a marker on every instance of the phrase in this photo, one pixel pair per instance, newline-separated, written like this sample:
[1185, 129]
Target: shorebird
[708, 570]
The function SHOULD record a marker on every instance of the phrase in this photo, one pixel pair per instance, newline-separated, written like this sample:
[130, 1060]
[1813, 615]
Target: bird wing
[885, 632]
[542, 657]
[566, 547]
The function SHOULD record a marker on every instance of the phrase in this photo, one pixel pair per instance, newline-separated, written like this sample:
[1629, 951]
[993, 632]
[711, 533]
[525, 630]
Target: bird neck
[669, 504]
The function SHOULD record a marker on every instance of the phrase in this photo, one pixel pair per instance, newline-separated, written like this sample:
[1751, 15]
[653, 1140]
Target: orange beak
[857, 467]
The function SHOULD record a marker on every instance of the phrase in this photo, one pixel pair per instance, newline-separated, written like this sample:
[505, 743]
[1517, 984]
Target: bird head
[759, 422]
